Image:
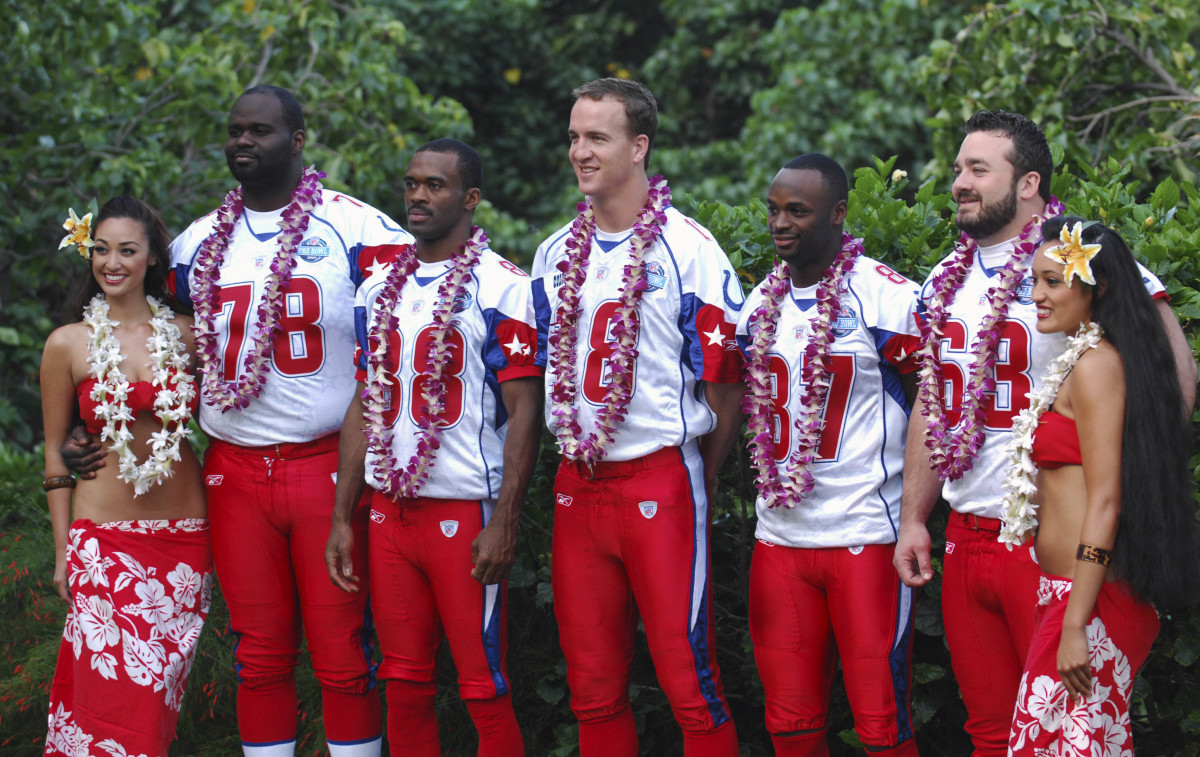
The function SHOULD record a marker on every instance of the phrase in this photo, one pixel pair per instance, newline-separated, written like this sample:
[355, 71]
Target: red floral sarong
[140, 591]
[1120, 633]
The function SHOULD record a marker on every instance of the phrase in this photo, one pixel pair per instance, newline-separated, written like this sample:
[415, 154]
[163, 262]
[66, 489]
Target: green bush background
[112, 96]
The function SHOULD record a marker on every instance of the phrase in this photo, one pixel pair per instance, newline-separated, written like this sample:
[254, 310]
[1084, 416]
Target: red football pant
[809, 605]
[269, 511]
[421, 585]
[629, 537]
[988, 599]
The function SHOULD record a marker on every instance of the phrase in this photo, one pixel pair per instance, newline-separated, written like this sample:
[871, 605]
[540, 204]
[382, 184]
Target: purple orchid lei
[564, 334]
[953, 451]
[790, 489]
[236, 395]
[407, 481]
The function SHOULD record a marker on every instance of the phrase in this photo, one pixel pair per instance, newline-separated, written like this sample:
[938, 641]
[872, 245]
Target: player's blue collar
[609, 245]
[263, 237]
[423, 280]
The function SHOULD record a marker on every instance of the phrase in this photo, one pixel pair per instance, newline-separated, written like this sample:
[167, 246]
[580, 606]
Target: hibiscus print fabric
[140, 592]
[1046, 722]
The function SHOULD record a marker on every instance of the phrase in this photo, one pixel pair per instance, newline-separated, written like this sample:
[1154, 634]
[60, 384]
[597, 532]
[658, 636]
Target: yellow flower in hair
[1074, 254]
[79, 233]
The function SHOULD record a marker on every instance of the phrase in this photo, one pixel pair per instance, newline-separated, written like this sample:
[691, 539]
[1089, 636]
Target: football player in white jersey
[828, 339]
[273, 400]
[447, 494]
[636, 307]
[975, 379]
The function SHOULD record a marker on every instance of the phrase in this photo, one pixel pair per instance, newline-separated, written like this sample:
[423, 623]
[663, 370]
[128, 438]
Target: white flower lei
[174, 390]
[1020, 514]
[407, 481]
[564, 334]
[790, 489]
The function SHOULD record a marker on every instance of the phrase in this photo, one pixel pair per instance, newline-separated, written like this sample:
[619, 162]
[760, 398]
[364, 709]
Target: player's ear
[472, 198]
[839, 213]
[641, 146]
[298, 141]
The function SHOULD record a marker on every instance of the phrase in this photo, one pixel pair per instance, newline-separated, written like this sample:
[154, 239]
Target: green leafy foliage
[113, 96]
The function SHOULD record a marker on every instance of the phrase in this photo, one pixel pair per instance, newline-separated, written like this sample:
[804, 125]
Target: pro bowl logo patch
[313, 249]
[845, 323]
[449, 528]
[1025, 291]
[655, 276]
[461, 302]
[648, 509]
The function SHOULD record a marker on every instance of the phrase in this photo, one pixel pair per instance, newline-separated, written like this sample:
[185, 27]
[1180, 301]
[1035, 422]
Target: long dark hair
[157, 240]
[1157, 550]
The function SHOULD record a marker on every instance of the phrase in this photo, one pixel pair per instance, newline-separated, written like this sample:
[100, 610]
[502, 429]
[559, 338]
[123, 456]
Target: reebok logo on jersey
[648, 508]
[376, 516]
[213, 480]
[563, 500]
[449, 528]
[949, 547]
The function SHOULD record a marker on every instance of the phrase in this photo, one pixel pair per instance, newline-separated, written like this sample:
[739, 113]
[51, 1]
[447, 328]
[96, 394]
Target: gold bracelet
[58, 482]
[1088, 553]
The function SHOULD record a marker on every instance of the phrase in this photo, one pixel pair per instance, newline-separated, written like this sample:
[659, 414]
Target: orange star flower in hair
[79, 233]
[1074, 254]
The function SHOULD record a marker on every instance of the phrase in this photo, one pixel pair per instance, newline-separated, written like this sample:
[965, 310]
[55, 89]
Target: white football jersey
[494, 339]
[856, 497]
[687, 314]
[1023, 355]
[311, 376]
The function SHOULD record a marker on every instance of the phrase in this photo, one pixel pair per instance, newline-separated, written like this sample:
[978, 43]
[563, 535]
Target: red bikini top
[141, 397]
[1056, 441]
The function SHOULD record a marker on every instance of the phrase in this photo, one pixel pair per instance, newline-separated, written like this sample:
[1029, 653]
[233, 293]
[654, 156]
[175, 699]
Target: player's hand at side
[1074, 664]
[493, 552]
[911, 558]
[82, 454]
[338, 557]
[60, 576]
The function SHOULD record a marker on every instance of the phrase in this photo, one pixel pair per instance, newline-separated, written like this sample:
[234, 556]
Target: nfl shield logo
[417, 305]
[449, 528]
[602, 273]
[856, 549]
[259, 262]
[648, 508]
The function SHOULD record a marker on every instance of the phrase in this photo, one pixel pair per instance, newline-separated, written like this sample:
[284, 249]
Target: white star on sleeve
[378, 267]
[517, 347]
[716, 336]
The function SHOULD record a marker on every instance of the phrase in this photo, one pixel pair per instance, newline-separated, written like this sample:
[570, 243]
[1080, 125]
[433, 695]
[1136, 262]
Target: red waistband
[285, 450]
[609, 469]
[976, 522]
